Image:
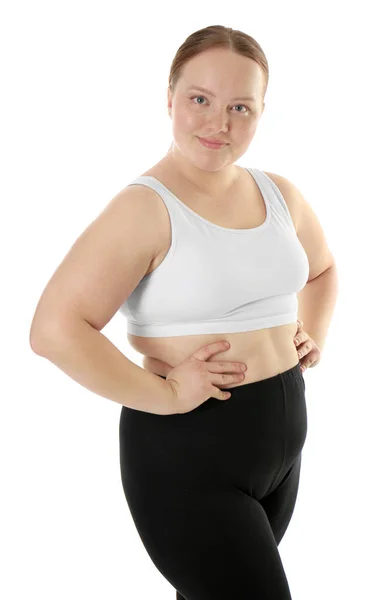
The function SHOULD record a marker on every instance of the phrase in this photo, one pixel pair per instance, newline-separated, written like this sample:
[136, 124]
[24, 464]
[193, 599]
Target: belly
[266, 352]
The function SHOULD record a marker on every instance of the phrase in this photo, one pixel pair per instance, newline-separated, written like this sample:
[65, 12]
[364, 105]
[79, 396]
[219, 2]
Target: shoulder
[290, 193]
[307, 225]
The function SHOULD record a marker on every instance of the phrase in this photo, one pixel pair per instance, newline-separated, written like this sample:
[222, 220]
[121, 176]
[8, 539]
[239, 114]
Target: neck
[204, 182]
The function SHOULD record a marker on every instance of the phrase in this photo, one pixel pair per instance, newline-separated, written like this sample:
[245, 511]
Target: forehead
[219, 68]
[219, 59]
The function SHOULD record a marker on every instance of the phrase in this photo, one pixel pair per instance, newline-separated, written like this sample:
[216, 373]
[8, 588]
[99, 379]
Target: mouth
[212, 145]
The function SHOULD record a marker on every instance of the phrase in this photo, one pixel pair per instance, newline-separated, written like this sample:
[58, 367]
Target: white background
[83, 83]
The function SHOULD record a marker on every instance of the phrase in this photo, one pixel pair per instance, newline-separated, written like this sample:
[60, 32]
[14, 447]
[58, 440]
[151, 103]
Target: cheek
[187, 121]
[245, 134]
[251, 128]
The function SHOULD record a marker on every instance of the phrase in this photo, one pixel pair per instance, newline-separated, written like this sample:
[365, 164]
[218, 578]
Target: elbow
[44, 337]
[39, 341]
[50, 336]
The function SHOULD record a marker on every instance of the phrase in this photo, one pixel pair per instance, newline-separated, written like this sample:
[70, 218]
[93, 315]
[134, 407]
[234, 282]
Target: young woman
[195, 252]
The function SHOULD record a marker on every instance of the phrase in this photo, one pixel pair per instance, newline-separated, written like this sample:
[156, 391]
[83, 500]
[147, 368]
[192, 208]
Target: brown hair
[217, 36]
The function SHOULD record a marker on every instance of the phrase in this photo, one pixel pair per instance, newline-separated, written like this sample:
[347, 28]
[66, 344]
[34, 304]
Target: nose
[218, 122]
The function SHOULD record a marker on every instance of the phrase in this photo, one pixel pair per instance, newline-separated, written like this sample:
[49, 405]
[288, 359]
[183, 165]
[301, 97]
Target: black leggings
[212, 491]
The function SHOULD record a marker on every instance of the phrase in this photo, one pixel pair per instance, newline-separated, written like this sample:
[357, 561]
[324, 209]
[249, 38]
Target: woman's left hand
[307, 349]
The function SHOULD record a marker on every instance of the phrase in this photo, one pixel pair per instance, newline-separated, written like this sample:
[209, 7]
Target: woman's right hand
[192, 381]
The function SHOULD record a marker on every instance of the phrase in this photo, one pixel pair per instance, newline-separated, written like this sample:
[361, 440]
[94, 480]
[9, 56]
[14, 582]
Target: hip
[253, 429]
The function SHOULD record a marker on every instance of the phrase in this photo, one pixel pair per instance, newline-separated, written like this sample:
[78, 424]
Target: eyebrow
[197, 87]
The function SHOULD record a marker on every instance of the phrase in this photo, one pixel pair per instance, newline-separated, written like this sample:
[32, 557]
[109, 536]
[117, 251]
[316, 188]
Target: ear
[169, 101]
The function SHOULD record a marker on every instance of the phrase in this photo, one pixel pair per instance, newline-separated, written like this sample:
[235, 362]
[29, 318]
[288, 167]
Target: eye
[247, 108]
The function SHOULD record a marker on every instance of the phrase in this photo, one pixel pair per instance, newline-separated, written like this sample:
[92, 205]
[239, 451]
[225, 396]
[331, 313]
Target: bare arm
[88, 357]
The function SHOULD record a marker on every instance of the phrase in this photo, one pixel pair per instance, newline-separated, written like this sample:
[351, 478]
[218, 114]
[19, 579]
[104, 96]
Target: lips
[212, 144]
[212, 141]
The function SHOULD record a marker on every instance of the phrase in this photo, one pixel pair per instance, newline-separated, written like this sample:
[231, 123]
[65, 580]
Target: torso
[266, 352]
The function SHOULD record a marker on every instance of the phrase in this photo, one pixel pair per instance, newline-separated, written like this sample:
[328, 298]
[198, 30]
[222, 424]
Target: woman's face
[229, 113]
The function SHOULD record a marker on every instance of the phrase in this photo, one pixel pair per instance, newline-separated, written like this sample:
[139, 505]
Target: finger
[301, 351]
[215, 366]
[305, 363]
[298, 338]
[207, 351]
